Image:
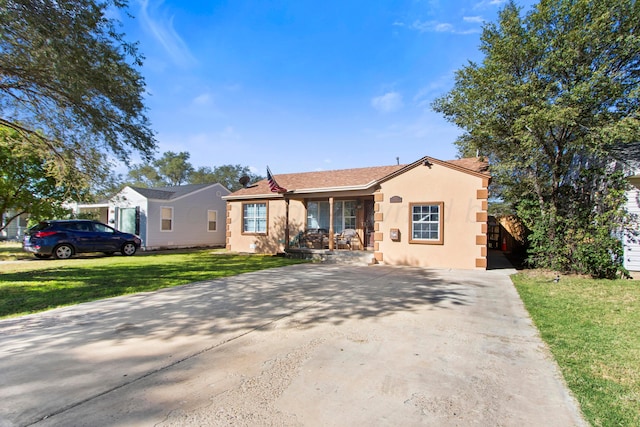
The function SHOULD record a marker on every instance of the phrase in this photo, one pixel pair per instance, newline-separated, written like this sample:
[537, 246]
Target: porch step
[333, 257]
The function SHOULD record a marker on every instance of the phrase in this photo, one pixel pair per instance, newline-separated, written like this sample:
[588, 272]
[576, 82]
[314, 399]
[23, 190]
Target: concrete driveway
[303, 345]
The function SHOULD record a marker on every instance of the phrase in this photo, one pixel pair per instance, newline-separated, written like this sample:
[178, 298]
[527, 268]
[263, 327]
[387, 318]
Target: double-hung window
[348, 220]
[254, 218]
[166, 219]
[426, 222]
[212, 220]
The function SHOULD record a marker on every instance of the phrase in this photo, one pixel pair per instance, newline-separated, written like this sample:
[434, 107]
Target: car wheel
[128, 249]
[63, 251]
[42, 256]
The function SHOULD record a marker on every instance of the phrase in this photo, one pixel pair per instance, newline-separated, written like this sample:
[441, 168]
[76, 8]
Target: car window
[39, 226]
[77, 226]
[101, 228]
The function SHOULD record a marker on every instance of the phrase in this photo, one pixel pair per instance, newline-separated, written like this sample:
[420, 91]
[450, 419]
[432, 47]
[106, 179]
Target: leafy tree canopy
[227, 175]
[144, 175]
[553, 104]
[169, 170]
[175, 169]
[27, 182]
[69, 83]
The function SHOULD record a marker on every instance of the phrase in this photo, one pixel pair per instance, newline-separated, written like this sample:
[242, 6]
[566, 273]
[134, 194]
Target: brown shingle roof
[344, 179]
[325, 179]
[476, 164]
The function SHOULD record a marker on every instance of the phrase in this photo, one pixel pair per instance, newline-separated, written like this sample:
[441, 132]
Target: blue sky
[304, 85]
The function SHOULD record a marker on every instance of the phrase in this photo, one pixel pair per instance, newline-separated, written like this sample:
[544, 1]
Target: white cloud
[431, 133]
[489, 3]
[435, 88]
[162, 30]
[201, 107]
[473, 19]
[203, 100]
[432, 26]
[440, 27]
[387, 103]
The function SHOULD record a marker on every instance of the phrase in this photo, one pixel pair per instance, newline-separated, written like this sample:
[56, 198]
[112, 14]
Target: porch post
[286, 224]
[331, 239]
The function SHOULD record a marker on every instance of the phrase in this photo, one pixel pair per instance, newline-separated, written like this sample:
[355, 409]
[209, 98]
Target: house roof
[348, 179]
[475, 164]
[169, 193]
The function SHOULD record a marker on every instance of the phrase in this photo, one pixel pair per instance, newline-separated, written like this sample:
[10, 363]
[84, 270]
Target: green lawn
[12, 251]
[593, 330]
[36, 285]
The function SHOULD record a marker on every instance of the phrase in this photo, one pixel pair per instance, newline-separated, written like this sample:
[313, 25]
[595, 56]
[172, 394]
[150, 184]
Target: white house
[167, 217]
[15, 230]
[631, 244]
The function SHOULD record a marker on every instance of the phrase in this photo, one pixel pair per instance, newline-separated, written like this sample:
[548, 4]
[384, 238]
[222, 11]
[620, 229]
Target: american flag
[273, 185]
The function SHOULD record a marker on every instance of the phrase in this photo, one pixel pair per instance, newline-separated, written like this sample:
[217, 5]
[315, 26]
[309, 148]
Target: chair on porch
[347, 239]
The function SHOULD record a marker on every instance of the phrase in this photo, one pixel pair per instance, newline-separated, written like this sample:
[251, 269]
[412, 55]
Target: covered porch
[334, 223]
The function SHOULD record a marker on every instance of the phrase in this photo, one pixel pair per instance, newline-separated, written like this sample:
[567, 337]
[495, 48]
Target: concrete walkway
[316, 345]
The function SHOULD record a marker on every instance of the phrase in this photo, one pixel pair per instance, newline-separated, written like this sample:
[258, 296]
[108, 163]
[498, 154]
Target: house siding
[462, 196]
[632, 248]
[272, 241]
[129, 198]
[460, 193]
[190, 217]
[190, 221]
[16, 229]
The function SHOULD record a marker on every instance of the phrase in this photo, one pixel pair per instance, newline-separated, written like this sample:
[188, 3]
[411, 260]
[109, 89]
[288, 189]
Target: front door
[129, 220]
[368, 222]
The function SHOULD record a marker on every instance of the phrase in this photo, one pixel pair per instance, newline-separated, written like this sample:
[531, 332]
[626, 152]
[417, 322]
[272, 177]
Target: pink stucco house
[430, 213]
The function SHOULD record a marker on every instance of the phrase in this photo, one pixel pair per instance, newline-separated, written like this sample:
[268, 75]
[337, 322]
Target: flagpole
[275, 188]
[286, 224]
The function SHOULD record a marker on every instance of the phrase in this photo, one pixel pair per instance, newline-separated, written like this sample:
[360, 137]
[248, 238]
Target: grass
[37, 285]
[12, 251]
[593, 330]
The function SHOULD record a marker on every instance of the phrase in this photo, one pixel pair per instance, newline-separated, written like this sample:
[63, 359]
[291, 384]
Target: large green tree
[28, 183]
[554, 105]
[174, 167]
[69, 82]
[170, 169]
[144, 175]
[227, 175]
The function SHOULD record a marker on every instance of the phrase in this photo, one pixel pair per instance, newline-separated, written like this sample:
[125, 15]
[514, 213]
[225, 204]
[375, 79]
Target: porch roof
[347, 179]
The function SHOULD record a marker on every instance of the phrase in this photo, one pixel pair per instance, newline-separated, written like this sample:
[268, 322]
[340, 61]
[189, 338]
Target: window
[344, 215]
[426, 222]
[101, 228]
[166, 215]
[212, 219]
[254, 218]
[318, 215]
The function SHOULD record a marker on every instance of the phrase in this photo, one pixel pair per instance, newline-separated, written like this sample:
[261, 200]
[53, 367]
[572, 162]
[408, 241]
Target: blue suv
[64, 238]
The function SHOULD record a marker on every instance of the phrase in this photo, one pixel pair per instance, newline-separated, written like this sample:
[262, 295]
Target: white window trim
[208, 221]
[162, 219]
